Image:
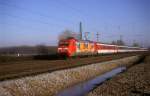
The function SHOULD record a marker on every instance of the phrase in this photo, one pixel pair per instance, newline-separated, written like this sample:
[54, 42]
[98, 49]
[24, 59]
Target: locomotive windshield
[63, 44]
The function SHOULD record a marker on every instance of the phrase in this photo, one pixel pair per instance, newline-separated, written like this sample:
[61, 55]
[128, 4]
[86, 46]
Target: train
[73, 47]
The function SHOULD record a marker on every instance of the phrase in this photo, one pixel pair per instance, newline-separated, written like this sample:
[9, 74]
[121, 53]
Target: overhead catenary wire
[77, 10]
[49, 17]
[24, 19]
[17, 17]
[82, 14]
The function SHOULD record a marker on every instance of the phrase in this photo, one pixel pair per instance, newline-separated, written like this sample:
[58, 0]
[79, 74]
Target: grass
[14, 58]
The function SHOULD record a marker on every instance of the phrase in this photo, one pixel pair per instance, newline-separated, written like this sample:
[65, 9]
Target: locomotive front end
[63, 48]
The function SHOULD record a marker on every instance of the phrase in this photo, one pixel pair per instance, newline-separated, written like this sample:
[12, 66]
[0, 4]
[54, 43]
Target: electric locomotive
[72, 47]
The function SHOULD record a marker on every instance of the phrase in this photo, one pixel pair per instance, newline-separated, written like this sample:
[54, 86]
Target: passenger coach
[73, 47]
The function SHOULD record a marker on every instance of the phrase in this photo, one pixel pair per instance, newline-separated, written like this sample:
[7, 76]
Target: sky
[34, 22]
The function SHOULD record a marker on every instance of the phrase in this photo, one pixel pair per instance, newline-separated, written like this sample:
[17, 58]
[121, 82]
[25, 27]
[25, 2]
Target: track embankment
[18, 69]
[133, 82]
[49, 84]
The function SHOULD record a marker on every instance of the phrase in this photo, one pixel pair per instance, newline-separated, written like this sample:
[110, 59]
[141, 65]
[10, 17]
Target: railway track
[10, 70]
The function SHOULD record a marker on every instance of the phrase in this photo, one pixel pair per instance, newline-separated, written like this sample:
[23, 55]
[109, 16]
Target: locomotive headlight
[62, 49]
[59, 48]
[66, 48]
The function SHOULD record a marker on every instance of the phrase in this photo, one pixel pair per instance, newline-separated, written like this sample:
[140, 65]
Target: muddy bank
[49, 84]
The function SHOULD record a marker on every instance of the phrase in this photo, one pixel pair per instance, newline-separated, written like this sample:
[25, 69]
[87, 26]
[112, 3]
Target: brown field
[27, 66]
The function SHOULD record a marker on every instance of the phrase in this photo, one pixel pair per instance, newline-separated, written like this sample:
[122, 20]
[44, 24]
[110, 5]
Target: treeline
[28, 50]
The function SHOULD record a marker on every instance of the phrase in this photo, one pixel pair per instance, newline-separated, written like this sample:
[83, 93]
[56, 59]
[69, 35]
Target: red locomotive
[73, 47]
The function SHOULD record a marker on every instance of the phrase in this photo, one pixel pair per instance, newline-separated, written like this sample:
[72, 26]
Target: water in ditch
[85, 87]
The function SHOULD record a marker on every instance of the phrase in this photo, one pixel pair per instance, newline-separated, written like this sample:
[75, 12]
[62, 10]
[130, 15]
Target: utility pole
[97, 36]
[121, 42]
[86, 34]
[80, 29]
[120, 37]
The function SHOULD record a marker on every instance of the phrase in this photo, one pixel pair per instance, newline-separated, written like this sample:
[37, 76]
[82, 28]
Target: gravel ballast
[49, 84]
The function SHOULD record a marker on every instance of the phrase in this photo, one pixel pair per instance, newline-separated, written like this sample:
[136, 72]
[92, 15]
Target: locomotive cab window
[78, 45]
[86, 45]
[64, 44]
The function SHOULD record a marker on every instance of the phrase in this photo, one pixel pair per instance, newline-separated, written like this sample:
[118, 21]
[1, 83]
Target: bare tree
[42, 49]
[67, 34]
[118, 42]
[149, 48]
[113, 43]
[135, 44]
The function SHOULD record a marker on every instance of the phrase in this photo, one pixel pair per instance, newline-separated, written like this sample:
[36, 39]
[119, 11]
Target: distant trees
[149, 48]
[67, 34]
[122, 43]
[118, 42]
[42, 49]
[135, 44]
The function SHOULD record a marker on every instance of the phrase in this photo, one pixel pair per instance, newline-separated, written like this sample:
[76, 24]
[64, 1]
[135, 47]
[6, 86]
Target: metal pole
[80, 30]
[97, 36]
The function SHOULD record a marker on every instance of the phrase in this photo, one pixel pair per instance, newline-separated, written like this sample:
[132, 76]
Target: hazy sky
[32, 22]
